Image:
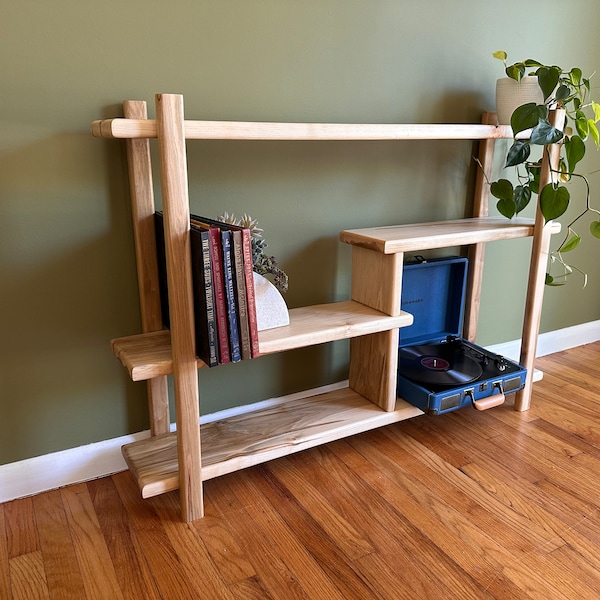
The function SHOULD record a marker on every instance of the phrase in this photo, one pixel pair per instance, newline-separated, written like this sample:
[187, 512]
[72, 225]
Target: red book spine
[219, 285]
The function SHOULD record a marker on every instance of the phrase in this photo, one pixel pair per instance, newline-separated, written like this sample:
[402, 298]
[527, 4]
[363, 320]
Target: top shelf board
[236, 130]
[442, 234]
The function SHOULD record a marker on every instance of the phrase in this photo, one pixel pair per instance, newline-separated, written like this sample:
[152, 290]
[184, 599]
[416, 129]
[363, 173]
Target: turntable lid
[433, 291]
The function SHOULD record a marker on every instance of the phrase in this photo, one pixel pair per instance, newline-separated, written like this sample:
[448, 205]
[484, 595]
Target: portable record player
[438, 371]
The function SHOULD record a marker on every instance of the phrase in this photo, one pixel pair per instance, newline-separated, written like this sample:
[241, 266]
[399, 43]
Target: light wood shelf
[442, 234]
[236, 130]
[149, 355]
[250, 439]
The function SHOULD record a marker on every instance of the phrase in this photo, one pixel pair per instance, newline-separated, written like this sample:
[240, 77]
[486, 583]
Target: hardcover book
[203, 291]
[248, 278]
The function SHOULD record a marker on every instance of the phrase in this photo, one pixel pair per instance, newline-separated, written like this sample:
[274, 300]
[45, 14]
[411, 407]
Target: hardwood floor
[496, 504]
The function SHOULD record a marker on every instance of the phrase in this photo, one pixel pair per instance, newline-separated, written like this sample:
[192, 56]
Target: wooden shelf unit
[370, 319]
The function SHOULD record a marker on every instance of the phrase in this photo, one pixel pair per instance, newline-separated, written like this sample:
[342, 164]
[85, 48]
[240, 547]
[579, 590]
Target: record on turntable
[438, 364]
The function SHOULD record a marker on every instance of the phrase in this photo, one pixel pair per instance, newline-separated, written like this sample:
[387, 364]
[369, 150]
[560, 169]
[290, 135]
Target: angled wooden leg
[171, 143]
[142, 208]
[477, 251]
[537, 272]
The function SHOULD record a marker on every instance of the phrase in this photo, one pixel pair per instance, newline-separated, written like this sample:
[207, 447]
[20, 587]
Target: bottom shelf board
[245, 440]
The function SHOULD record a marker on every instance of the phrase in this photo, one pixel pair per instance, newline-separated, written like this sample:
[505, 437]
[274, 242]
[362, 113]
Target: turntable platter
[438, 364]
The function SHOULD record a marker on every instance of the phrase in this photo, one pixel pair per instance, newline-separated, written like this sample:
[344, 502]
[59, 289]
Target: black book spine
[230, 294]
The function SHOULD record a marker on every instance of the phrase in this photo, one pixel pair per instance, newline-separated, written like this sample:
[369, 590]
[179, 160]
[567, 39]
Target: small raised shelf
[442, 234]
[149, 355]
[250, 439]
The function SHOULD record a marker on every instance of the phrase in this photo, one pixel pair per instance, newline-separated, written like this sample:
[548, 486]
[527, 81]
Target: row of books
[223, 288]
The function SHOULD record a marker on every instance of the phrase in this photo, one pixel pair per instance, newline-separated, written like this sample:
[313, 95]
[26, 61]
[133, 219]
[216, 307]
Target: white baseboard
[51, 471]
[553, 341]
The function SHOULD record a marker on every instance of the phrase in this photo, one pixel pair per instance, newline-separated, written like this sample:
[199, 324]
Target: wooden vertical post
[142, 208]
[376, 282]
[171, 144]
[537, 271]
[477, 251]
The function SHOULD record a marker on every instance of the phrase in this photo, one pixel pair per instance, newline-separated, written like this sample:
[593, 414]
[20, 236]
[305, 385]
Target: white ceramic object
[271, 309]
[511, 94]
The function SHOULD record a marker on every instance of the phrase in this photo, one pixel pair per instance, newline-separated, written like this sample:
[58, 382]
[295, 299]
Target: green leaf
[518, 153]
[516, 71]
[562, 93]
[552, 282]
[502, 189]
[527, 116]
[575, 75]
[581, 124]
[500, 55]
[594, 132]
[571, 243]
[506, 207]
[574, 150]
[554, 201]
[595, 229]
[530, 62]
[596, 109]
[548, 79]
[534, 170]
[521, 197]
[544, 134]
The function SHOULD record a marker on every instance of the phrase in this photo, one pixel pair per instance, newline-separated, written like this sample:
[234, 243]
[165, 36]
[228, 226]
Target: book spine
[161, 258]
[216, 256]
[228, 270]
[203, 292]
[242, 303]
[250, 296]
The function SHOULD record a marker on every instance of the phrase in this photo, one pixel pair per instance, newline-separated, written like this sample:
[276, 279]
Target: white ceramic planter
[511, 94]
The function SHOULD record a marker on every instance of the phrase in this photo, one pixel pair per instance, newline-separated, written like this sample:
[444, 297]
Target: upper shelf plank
[148, 355]
[442, 234]
[235, 130]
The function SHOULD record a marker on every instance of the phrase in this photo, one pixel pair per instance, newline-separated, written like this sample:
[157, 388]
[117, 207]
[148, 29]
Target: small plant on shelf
[263, 263]
[561, 89]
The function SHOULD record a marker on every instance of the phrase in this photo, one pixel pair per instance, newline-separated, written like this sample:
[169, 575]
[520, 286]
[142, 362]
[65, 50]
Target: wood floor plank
[272, 572]
[307, 549]
[406, 560]
[458, 490]
[477, 554]
[21, 529]
[163, 561]
[63, 575]
[201, 573]
[99, 577]
[131, 569]
[27, 577]
[5, 593]
[351, 542]
[249, 589]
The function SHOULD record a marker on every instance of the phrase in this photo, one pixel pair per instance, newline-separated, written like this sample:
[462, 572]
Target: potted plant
[560, 89]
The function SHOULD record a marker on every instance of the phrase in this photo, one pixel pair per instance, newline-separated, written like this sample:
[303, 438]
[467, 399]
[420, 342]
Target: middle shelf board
[245, 440]
[441, 234]
[148, 355]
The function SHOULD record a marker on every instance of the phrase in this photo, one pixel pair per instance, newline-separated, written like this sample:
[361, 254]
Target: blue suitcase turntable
[438, 371]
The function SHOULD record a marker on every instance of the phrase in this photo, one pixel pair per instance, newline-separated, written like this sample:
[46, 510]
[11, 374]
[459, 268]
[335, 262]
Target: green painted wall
[66, 255]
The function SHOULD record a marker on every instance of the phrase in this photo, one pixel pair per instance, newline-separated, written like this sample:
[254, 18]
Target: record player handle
[489, 402]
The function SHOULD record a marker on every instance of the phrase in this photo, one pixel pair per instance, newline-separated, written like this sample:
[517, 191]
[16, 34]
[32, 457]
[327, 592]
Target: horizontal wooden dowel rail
[234, 130]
